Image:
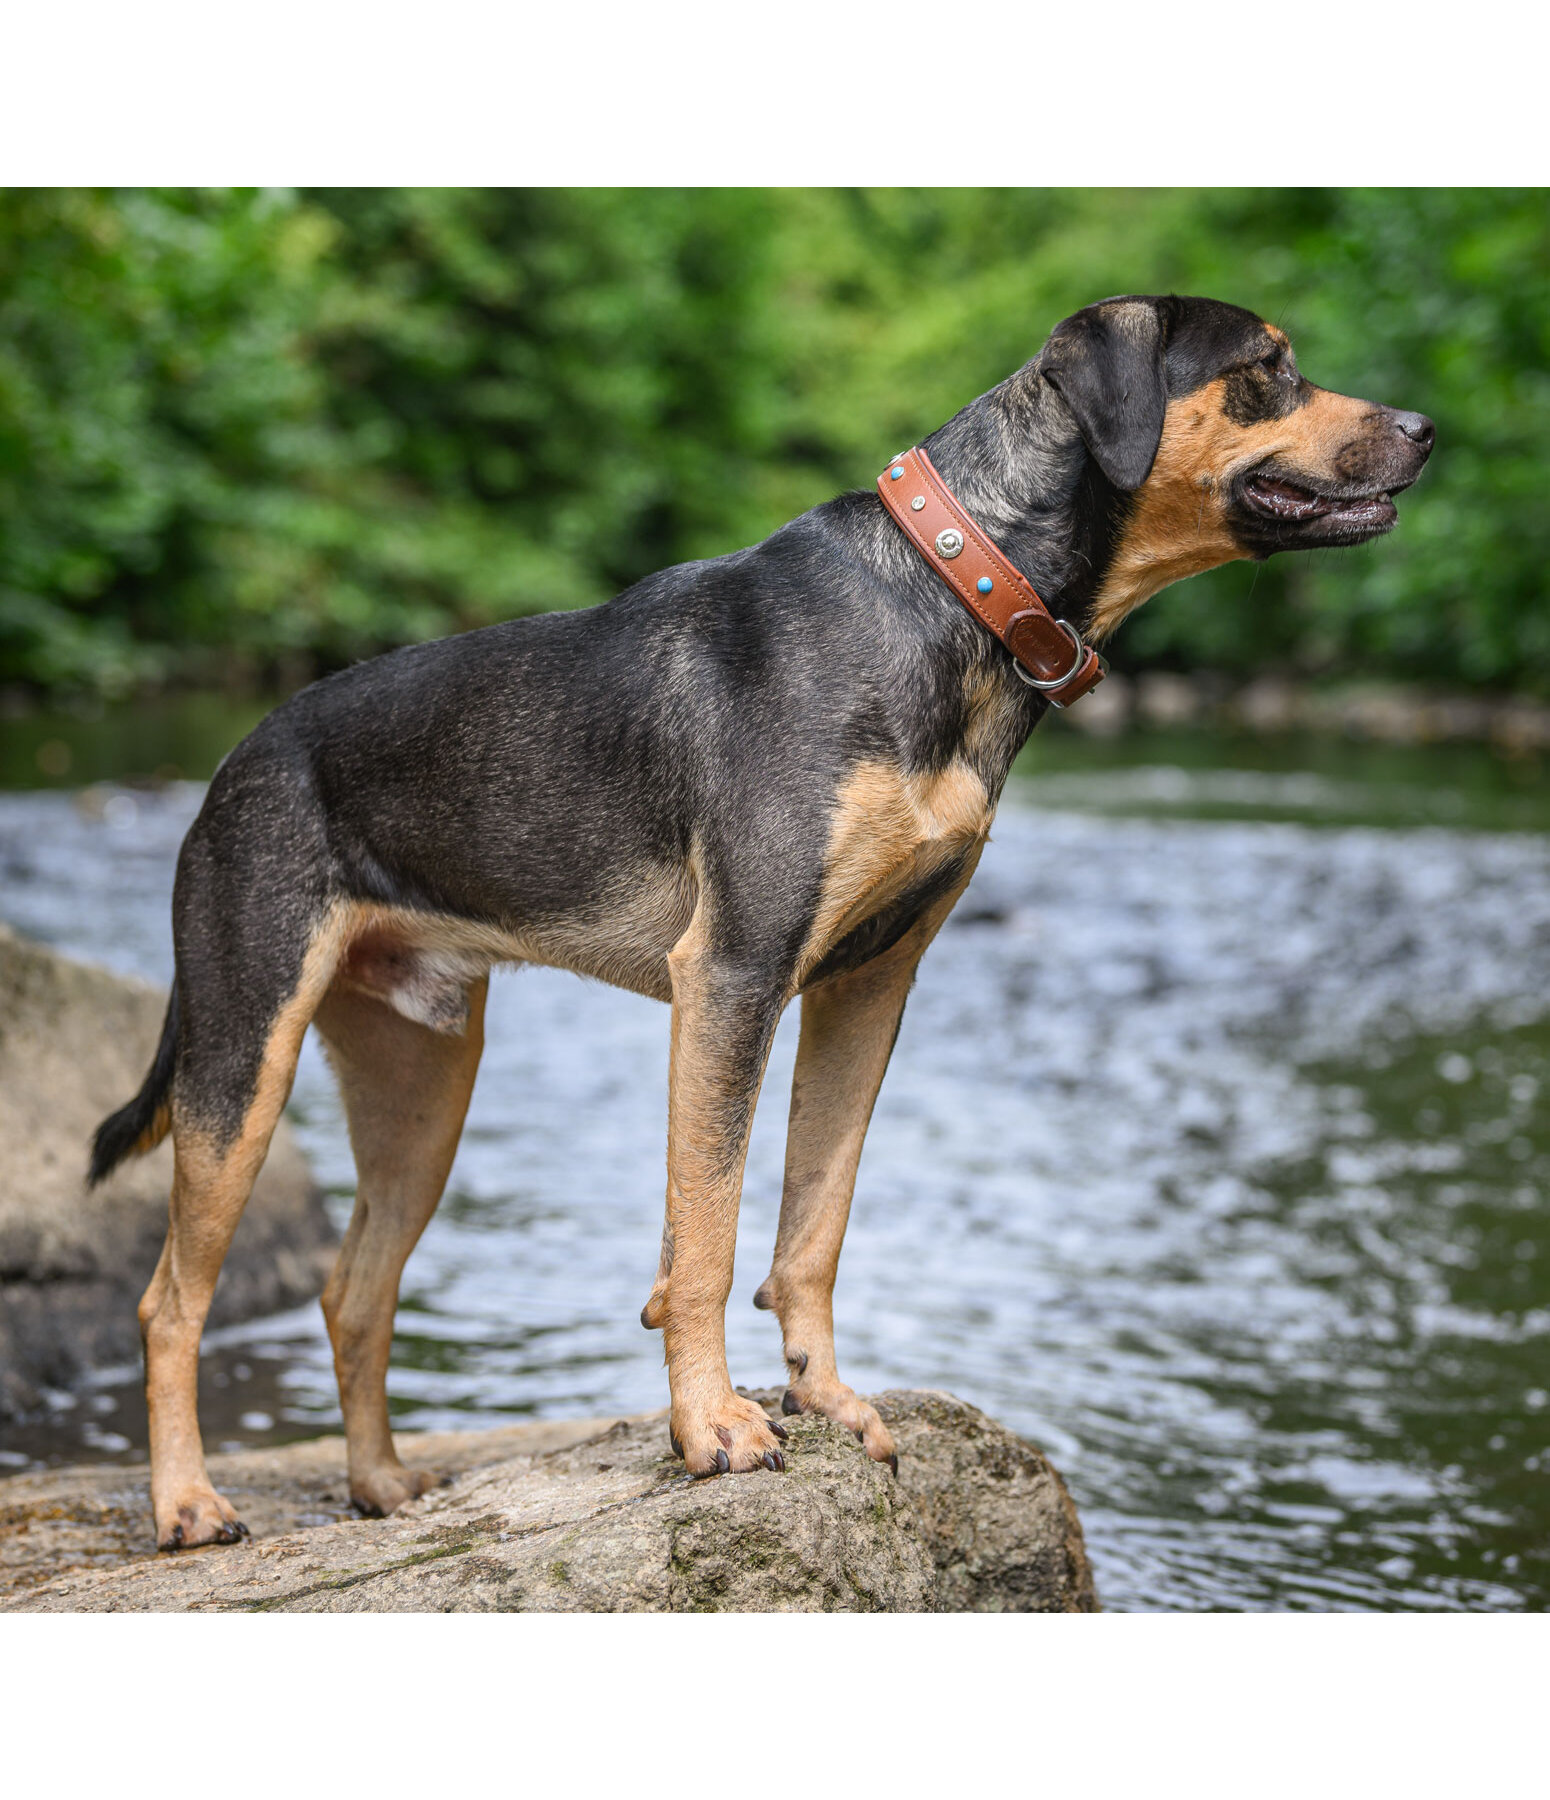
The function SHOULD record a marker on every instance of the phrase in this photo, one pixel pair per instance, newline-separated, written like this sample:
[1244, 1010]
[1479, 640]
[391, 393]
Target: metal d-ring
[1060, 680]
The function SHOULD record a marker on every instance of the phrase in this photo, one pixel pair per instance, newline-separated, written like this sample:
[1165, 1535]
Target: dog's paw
[730, 1436]
[381, 1491]
[198, 1516]
[833, 1400]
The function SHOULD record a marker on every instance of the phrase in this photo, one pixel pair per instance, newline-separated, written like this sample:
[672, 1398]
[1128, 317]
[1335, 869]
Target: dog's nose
[1419, 429]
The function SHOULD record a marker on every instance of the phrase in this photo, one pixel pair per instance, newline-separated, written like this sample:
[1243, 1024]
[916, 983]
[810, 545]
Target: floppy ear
[1106, 362]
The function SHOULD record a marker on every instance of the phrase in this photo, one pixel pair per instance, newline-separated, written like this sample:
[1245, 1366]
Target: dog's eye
[1277, 366]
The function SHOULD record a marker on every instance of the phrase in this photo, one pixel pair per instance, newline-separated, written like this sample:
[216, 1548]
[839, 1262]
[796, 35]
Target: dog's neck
[1016, 461]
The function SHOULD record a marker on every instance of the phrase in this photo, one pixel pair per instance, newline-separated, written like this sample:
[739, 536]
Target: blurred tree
[257, 433]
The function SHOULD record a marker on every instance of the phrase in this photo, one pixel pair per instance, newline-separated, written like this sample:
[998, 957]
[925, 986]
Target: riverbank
[1274, 706]
[582, 1516]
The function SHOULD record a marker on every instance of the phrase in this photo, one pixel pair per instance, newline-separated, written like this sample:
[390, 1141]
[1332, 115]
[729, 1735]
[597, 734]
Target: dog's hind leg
[724, 1017]
[849, 1024]
[406, 1090]
[236, 1061]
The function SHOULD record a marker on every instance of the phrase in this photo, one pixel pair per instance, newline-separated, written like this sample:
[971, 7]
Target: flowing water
[1212, 1158]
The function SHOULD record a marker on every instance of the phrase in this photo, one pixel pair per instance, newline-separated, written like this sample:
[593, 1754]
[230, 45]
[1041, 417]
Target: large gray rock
[583, 1517]
[75, 1043]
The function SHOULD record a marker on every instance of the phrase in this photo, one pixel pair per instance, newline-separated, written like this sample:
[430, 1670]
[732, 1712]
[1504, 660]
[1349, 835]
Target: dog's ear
[1106, 363]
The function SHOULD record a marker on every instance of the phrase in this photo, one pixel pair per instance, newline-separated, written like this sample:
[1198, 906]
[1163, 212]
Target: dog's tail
[144, 1122]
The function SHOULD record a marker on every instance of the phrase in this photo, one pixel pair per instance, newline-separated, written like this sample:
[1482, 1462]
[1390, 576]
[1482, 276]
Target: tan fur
[211, 1182]
[1178, 526]
[986, 704]
[848, 1028]
[623, 938]
[430, 970]
[406, 1090]
[887, 830]
[160, 1125]
[711, 1097]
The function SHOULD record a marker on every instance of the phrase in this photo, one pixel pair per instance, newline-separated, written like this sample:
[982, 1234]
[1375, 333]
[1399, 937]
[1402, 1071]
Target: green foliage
[259, 433]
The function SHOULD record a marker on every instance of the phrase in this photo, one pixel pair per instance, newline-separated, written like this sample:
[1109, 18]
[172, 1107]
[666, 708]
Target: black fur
[1109, 365]
[538, 776]
[121, 1133]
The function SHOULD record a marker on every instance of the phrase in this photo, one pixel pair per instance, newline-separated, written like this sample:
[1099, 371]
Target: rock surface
[583, 1516]
[75, 1042]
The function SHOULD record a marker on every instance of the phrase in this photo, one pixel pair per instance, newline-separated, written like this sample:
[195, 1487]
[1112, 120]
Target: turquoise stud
[984, 584]
[894, 474]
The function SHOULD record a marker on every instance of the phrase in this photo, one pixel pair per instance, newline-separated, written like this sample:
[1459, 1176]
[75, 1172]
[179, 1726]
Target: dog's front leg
[849, 1024]
[724, 1016]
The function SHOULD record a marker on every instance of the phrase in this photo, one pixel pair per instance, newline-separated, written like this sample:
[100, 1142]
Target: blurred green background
[246, 436]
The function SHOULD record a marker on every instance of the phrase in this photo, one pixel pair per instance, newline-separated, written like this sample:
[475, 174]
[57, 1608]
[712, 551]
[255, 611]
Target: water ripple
[1210, 1157]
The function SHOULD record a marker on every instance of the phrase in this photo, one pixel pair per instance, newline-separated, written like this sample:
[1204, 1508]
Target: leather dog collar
[1048, 652]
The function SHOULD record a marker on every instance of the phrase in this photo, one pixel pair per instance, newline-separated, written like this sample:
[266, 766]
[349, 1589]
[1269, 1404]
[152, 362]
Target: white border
[891, 92]
[1200, 1706]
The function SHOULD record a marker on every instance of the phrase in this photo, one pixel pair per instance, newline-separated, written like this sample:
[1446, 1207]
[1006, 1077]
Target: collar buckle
[999, 595]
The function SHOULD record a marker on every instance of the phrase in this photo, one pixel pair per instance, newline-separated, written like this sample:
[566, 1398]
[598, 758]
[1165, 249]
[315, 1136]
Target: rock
[1165, 699]
[1270, 704]
[75, 1042]
[583, 1517]
[1520, 726]
[1106, 710]
[1001, 1527]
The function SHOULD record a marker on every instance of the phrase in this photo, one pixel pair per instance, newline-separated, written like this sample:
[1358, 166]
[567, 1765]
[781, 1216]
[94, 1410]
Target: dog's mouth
[1276, 501]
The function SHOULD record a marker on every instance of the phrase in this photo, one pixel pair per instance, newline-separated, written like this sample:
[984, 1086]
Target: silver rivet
[918, 502]
[949, 543]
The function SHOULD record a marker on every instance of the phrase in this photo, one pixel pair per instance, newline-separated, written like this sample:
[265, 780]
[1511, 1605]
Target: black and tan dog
[765, 775]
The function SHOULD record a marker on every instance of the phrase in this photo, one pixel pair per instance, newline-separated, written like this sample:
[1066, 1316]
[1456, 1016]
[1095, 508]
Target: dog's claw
[174, 1539]
[893, 1462]
[789, 1403]
[678, 1448]
[775, 1461]
[798, 1362]
[723, 1462]
[779, 1430]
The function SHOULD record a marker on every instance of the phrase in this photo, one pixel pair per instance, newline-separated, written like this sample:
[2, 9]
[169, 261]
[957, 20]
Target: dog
[762, 776]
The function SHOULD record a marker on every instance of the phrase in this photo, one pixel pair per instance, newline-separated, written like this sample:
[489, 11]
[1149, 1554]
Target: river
[1212, 1158]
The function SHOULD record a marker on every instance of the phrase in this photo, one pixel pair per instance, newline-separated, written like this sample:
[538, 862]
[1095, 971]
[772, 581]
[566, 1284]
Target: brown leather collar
[1049, 652]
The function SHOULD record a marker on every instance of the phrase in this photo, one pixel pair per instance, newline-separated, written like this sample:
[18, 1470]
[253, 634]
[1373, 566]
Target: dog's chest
[897, 841]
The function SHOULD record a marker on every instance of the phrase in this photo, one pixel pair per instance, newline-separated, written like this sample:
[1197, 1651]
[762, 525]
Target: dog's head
[1197, 414]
